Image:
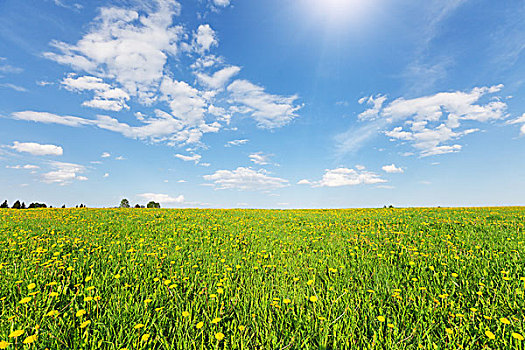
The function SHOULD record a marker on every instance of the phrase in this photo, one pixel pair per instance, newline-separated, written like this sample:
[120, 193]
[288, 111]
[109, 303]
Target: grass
[256, 279]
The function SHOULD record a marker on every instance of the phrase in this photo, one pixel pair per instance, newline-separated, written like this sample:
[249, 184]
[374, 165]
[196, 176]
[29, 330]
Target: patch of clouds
[345, 177]
[193, 158]
[245, 179]
[236, 142]
[161, 198]
[392, 169]
[429, 124]
[13, 87]
[37, 149]
[105, 155]
[130, 47]
[105, 96]
[520, 120]
[260, 158]
[64, 173]
[269, 111]
[219, 79]
[27, 167]
[50, 118]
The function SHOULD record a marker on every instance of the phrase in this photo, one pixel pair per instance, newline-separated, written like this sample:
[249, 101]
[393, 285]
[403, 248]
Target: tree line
[124, 203]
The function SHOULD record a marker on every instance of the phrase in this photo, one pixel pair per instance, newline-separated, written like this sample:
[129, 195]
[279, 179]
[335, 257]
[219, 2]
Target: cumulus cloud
[344, 177]
[37, 149]
[430, 123]
[204, 39]
[64, 173]
[245, 179]
[105, 155]
[127, 46]
[392, 169]
[270, 111]
[161, 198]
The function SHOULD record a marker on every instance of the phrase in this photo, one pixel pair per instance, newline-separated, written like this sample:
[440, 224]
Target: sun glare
[340, 13]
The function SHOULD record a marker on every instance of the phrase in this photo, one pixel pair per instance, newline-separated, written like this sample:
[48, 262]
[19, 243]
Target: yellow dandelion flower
[85, 324]
[504, 320]
[219, 336]
[145, 337]
[3, 344]
[310, 282]
[517, 336]
[220, 291]
[390, 325]
[381, 318]
[52, 313]
[147, 301]
[200, 325]
[242, 328]
[25, 300]
[16, 334]
[313, 299]
[53, 294]
[490, 335]
[86, 299]
[295, 279]
[81, 313]
[287, 301]
[216, 320]
[185, 313]
[449, 331]
[31, 286]
[88, 278]
[117, 276]
[138, 326]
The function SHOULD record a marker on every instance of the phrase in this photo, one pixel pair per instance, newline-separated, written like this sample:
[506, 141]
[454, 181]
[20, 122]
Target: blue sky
[267, 104]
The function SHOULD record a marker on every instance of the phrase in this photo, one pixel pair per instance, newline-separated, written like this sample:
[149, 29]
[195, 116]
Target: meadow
[442, 278]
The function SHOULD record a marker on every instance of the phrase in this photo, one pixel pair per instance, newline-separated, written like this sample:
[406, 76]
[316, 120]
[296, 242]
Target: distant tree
[76, 206]
[63, 206]
[37, 205]
[124, 203]
[137, 206]
[23, 206]
[153, 204]
[4, 205]
[17, 205]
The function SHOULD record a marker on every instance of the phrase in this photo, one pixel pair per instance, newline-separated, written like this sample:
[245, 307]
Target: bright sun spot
[340, 13]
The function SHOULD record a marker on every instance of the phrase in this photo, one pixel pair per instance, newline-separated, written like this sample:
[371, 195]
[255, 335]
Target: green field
[256, 279]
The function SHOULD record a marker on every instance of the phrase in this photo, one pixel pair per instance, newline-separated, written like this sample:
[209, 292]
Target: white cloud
[236, 142]
[127, 46]
[219, 79]
[520, 120]
[105, 155]
[204, 39]
[106, 97]
[245, 179]
[49, 118]
[270, 111]
[13, 87]
[392, 169]
[304, 182]
[430, 122]
[64, 173]
[260, 158]
[345, 177]
[27, 166]
[193, 158]
[37, 149]
[161, 198]
[222, 3]
[106, 175]
[186, 103]
[6, 68]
